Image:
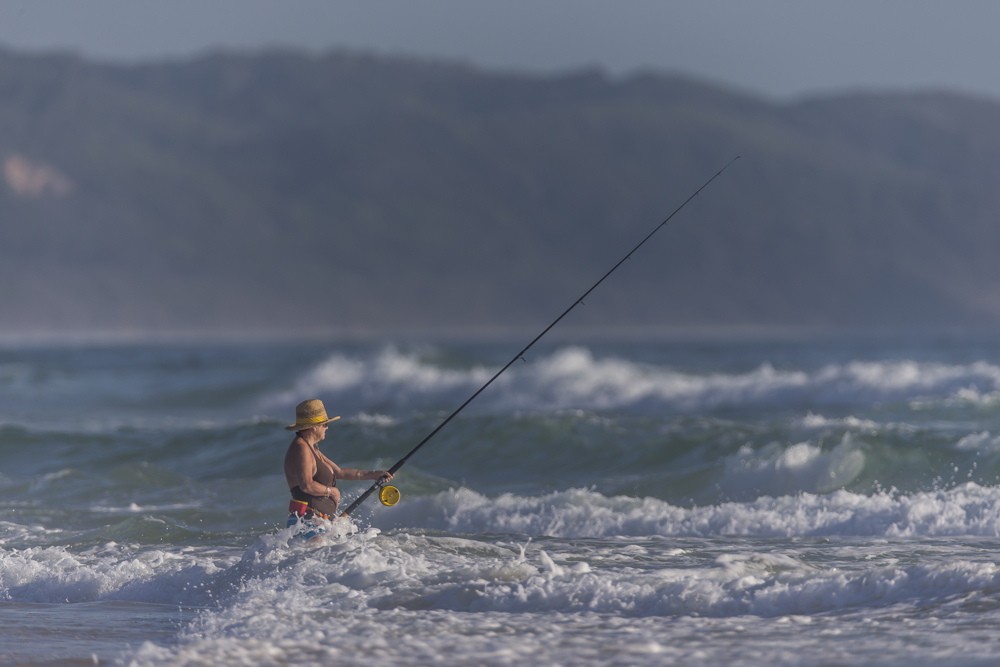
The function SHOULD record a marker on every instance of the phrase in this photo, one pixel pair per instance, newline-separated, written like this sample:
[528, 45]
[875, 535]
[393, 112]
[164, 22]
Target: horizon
[614, 77]
[781, 49]
[639, 334]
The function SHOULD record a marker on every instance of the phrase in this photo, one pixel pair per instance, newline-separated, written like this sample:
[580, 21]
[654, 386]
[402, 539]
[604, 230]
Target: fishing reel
[388, 495]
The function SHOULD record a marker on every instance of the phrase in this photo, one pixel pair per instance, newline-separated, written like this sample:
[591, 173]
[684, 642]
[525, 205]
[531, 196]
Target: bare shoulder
[297, 448]
[297, 462]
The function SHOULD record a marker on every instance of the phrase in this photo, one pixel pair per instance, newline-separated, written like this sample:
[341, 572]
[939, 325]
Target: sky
[777, 48]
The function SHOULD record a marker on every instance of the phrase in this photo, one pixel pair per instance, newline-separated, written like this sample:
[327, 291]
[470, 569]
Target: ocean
[799, 501]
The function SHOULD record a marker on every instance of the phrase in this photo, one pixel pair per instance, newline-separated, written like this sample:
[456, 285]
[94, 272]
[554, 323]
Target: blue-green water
[811, 502]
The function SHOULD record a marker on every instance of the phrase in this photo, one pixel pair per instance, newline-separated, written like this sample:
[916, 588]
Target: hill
[281, 192]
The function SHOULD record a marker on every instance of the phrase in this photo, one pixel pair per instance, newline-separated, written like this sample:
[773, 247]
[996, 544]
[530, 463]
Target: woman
[311, 476]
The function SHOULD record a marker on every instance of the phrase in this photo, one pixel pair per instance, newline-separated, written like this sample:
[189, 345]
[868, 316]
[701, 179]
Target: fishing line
[389, 495]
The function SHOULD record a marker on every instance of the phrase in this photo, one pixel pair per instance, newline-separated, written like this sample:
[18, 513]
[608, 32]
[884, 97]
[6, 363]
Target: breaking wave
[573, 377]
[968, 509]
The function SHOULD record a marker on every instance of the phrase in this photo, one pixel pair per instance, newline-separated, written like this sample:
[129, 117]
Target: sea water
[830, 501]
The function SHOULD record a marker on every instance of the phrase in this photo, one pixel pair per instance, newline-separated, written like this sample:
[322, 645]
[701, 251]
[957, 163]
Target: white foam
[573, 378]
[454, 599]
[973, 395]
[965, 510]
[135, 508]
[401, 594]
[981, 443]
[20, 533]
[735, 585]
[775, 470]
[54, 574]
[819, 421]
[374, 419]
[390, 375]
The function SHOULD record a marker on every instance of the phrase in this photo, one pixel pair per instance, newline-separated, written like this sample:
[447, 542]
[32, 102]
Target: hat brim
[304, 427]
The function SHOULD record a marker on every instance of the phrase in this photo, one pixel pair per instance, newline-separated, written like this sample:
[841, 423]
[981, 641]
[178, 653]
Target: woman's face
[316, 433]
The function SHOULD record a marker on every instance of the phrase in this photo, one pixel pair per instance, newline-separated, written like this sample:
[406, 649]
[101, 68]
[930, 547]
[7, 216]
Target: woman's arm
[353, 474]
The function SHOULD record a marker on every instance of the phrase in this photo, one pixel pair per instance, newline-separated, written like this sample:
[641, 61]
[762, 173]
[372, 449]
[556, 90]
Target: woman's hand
[379, 474]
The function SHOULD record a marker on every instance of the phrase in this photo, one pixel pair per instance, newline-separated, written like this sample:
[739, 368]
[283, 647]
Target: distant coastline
[234, 193]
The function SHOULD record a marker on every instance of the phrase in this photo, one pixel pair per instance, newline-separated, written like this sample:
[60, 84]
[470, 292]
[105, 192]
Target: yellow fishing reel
[388, 495]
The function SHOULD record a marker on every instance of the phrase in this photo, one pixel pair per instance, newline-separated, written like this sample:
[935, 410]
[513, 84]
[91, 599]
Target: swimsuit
[305, 506]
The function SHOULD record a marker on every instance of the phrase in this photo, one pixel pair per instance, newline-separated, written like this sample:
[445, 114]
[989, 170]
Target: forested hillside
[282, 192]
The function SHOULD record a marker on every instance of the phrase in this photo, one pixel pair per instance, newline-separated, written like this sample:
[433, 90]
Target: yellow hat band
[314, 420]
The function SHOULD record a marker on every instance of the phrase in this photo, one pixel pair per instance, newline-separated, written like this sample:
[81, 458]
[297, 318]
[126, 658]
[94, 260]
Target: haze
[463, 166]
[779, 48]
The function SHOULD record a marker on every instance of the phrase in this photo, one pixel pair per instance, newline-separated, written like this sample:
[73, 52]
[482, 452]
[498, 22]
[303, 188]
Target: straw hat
[308, 414]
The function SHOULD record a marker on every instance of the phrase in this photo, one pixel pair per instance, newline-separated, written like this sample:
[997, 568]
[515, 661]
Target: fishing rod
[389, 495]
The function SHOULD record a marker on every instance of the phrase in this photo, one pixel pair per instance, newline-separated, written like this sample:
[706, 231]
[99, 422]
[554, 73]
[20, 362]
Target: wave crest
[572, 377]
[969, 509]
